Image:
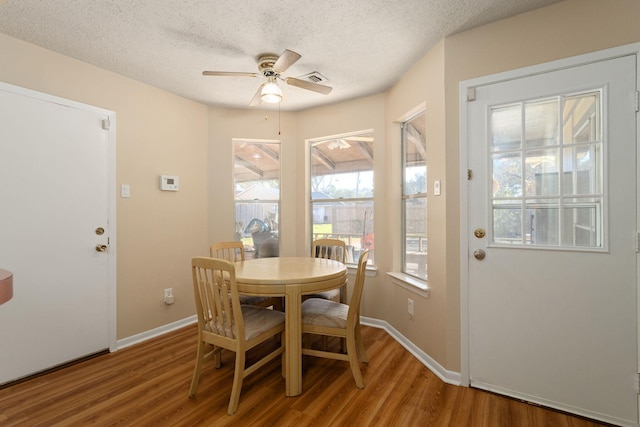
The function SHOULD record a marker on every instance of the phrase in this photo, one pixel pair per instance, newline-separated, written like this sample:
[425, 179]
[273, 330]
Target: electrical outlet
[168, 296]
[410, 306]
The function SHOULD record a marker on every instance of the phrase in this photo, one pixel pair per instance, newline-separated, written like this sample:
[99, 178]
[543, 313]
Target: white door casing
[555, 326]
[57, 173]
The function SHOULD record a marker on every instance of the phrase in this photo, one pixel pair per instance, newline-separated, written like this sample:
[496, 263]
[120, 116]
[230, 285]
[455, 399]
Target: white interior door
[553, 304]
[54, 196]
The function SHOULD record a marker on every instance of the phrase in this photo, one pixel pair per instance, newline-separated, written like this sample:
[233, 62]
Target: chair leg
[362, 354]
[237, 383]
[353, 359]
[195, 379]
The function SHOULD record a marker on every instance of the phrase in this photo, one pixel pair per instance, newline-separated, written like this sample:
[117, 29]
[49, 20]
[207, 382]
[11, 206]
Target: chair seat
[256, 321]
[322, 312]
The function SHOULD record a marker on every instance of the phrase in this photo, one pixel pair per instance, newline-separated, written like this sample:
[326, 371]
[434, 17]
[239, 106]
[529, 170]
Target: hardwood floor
[147, 385]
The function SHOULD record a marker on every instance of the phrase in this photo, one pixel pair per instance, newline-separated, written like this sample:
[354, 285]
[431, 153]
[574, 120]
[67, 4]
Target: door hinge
[106, 124]
[637, 101]
[471, 94]
[638, 383]
[637, 243]
[469, 174]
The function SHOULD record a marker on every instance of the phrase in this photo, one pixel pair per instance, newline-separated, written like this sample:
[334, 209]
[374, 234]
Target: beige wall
[157, 133]
[161, 133]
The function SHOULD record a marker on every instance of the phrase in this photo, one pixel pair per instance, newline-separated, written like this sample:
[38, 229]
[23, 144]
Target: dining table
[291, 277]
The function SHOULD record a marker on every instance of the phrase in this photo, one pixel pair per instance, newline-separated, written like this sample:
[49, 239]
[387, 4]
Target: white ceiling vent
[314, 77]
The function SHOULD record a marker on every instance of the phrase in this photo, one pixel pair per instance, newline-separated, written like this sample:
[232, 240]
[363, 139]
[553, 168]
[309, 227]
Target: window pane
[543, 224]
[541, 123]
[507, 222]
[414, 149]
[257, 193]
[351, 222]
[542, 172]
[582, 170]
[506, 127]
[582, 118]
[582, 219]
[507, 175]
[415, 233]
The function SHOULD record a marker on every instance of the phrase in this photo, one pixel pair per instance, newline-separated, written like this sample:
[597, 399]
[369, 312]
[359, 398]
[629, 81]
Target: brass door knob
[479, 254]
[101, 248]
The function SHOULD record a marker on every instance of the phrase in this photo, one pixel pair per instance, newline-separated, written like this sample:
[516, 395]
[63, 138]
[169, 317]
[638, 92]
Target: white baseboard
[449, 377]
[143, 336]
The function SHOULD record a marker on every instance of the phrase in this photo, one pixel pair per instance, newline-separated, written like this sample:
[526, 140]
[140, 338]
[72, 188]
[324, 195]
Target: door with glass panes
[551, 246]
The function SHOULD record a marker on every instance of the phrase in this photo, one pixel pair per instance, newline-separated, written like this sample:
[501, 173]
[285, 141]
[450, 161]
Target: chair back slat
[334, 249]
[218, 305]
[230, 251]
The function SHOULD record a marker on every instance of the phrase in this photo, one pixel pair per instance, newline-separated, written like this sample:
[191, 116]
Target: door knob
[479, 254]
[101, 248]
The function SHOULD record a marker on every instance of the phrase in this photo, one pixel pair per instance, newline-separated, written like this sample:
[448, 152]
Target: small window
[414, 197]
[257, 195]
[342, 191]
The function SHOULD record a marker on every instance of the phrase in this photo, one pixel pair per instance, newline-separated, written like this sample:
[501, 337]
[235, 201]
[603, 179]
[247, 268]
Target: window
[342, 191]
[257, 194]
[547, 179]
[414, 197]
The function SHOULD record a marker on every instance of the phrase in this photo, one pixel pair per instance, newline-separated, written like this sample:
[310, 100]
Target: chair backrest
[230, 251]
[216, 296]
[358, 286]
[330, 249]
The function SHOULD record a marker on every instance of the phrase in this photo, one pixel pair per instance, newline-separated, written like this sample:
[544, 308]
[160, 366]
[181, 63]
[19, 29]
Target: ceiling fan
[271, 67]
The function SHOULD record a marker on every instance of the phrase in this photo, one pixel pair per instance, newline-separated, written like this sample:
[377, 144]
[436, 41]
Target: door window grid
[547, 172]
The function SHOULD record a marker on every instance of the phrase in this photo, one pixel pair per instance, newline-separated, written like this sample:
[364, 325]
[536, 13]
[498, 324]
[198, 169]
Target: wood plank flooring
[147, 385]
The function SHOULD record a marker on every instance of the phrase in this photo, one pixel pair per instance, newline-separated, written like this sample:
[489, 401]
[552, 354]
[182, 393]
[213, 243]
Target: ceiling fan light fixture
[271, 92]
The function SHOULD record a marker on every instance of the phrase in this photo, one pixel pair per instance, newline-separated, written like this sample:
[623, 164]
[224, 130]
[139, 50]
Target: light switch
[125, 191]
[436, 187]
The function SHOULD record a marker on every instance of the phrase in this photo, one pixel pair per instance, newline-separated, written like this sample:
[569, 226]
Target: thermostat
[168, 183]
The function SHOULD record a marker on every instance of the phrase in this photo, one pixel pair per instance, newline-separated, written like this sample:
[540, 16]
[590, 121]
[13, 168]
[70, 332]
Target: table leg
[293, 340]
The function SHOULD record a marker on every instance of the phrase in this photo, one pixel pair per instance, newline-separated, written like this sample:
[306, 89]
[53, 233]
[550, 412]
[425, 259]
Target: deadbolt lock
[99, 231]
[479, 233]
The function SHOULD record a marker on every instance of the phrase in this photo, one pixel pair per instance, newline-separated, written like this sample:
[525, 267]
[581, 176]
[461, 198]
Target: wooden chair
[226, 324]
[234, 252]
[329, 318]
[334, 249]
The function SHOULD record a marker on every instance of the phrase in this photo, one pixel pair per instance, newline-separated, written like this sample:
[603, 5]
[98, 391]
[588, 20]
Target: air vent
[314, 77]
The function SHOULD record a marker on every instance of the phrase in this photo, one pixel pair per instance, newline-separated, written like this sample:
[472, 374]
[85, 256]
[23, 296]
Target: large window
[414, 198]
[342, 191]
[257, 195]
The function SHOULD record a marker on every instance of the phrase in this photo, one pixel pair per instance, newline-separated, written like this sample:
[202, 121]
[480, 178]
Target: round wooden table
[290, 277]
[6, 286]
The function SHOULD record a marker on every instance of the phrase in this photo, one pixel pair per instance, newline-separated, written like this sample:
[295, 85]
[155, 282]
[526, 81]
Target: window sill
[410, 283]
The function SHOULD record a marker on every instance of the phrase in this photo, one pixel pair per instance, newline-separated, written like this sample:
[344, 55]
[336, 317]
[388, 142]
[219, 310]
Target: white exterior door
[54, 197]
[552, 208]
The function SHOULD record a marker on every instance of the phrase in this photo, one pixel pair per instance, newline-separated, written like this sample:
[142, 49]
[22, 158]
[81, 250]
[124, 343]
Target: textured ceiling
[361, 46]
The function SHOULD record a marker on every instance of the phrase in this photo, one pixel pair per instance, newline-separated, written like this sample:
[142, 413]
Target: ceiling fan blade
[325, 90]
[286, 60]
[256, 98]
[229, 74]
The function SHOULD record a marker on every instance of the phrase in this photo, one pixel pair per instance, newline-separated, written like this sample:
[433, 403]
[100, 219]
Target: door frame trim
[111, 181]
[464, 88]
